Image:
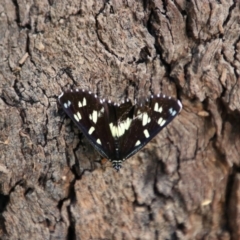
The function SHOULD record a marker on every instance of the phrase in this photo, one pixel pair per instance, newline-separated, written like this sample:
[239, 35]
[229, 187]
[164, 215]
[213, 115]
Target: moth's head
[116, 165]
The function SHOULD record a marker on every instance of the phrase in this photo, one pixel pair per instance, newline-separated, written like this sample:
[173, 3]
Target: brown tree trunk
[184, 184]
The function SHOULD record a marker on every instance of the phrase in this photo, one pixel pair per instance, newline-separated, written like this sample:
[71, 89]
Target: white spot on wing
[99, 141]
[137, 143]
[79, 115]
[172, 112]
[84, 102]
[94, 116]
[79, 104]
[127, 123]
[149, 119]
[157, 108]
[76, 117]
[145, 119]
[113, 130]
[91, 130]
[121, 129]
[162, 123]
[146, 133]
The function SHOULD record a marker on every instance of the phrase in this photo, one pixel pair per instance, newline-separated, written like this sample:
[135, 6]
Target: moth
[117, 131]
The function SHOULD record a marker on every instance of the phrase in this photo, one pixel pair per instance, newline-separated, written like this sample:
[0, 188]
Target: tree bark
[184, 184]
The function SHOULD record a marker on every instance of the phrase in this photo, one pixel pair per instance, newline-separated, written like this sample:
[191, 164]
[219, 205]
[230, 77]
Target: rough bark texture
[185, 184]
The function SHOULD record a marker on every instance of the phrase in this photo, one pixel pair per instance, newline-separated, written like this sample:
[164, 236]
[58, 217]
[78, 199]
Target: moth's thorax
[116, 144]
